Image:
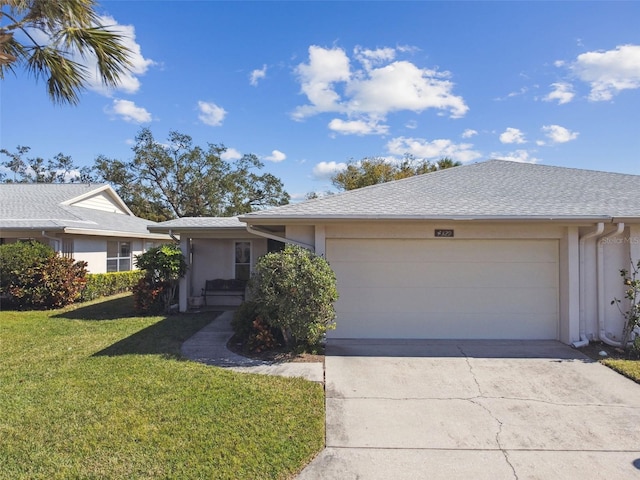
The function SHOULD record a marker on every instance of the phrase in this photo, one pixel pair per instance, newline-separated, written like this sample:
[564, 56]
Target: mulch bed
[594, 350]
[280, 354]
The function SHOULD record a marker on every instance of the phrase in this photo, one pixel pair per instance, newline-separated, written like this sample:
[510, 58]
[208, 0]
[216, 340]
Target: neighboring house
[83, 221]
[492, 250]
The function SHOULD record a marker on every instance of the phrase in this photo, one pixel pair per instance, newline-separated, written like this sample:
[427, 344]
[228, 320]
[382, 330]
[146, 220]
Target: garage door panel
[522, 326]
[432, 275]
[443, 300]
[507, 251]
[441, 288]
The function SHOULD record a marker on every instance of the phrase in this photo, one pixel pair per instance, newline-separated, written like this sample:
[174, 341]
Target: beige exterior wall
[616, 254]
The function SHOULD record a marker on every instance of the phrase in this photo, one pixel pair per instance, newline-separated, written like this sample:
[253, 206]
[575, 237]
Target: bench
[223, 290]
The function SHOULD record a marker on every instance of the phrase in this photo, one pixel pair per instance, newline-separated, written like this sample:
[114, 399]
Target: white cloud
[211, 114]
[366, 95]
[231, 154]
[512, 135]
[469, 132]
[325, 170]
[369, 58]
[609, 72]
[276, 156]
[129, 111]
[358, 127]
[432, 150]
[257, 74]
[558, 134]
[562, 92]
[521, 156]
[317, 79]
[401, 85]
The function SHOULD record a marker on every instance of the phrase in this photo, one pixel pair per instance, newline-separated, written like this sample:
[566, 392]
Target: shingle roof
[196, 223]
[40, 207]
[491, 189]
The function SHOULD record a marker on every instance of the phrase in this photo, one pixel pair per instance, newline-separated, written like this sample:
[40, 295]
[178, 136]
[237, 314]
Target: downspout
[584, 340]
[272, 236]
[602, 334]
[57, 240]
[173, 237]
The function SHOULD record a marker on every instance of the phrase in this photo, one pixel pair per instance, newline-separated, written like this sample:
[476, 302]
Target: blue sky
[309, 86]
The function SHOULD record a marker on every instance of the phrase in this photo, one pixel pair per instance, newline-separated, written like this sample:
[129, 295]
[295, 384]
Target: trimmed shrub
[255, 333]
[243, 318]
[52, 283]
[295, 290]
[105, 284]
[147, 296]
[16, 257]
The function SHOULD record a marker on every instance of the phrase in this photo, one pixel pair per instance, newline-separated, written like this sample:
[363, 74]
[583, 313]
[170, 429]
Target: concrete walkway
[209, 346]
[475, 410]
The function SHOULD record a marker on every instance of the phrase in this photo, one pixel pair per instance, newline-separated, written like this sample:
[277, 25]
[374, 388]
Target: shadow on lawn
[112, 309]
[162, 338]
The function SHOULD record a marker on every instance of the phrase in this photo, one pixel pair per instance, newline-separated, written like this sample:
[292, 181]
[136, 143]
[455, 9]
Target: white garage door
[446, 288]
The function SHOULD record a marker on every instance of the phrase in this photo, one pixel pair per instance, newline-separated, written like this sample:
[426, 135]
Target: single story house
[87, 222]
[491, 250]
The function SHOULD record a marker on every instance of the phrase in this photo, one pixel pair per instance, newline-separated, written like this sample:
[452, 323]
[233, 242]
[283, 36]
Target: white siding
[100, 201]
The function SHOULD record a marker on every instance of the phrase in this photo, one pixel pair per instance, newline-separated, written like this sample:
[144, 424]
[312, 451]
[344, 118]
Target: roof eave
[178, 229]
[302, 219]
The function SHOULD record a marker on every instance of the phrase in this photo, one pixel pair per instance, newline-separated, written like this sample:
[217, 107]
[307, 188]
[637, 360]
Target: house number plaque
[444, 233]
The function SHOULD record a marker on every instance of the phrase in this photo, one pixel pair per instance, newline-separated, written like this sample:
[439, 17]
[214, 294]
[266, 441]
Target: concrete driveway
[475, 410]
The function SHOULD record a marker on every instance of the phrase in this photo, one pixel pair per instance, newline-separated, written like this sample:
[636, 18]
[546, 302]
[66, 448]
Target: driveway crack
[486, 409]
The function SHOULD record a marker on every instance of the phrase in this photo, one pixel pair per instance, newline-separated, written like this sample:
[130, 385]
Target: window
[118, 256]
[243, 260]
[67, 248]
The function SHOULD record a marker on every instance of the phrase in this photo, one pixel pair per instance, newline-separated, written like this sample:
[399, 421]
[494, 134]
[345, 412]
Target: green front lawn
[628, 368]
[95, 392]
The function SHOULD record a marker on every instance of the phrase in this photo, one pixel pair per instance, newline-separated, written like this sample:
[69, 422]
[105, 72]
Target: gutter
[272, 236]
[584, 341]
[602, 334]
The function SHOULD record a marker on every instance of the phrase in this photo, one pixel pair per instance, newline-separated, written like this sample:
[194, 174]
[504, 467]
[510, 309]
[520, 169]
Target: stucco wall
[617, 252]
[215, 258]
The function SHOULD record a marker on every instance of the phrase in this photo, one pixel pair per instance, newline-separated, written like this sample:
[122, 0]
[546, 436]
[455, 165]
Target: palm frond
[65, 77]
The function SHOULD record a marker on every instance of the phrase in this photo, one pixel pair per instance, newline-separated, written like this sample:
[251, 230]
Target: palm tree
[70, 27]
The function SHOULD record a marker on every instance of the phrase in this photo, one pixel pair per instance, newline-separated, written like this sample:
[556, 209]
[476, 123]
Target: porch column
[570, 287]
[185, 282]
[320, 240]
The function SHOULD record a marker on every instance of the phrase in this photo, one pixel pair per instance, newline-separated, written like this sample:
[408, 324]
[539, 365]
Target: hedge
[105, 284]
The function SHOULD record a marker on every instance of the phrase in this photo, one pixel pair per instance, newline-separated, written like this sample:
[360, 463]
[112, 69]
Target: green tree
[164, 266]
[59, 169]
[374, 170]
[71, 28]
[178, 179]
[295, 290]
